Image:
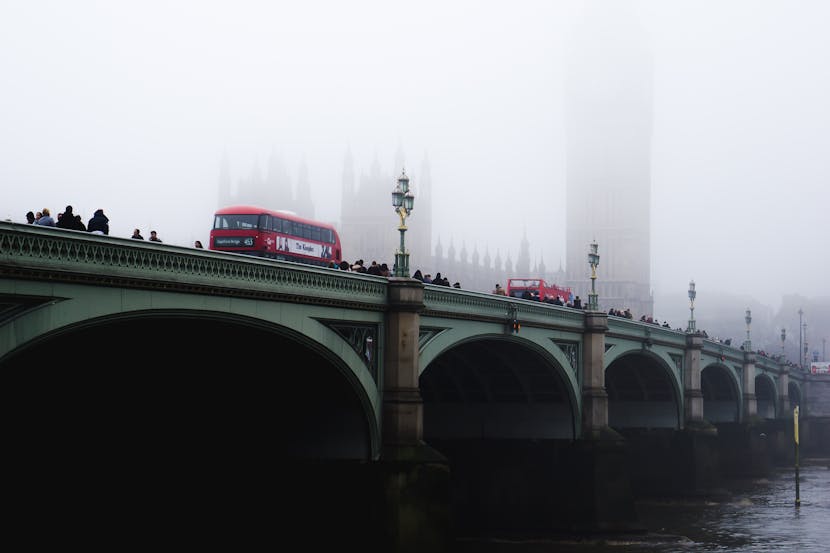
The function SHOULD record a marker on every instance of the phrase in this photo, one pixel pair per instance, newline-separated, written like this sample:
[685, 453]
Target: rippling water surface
[755, 516]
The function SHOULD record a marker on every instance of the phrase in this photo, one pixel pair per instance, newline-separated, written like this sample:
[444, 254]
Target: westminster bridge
[359, 400]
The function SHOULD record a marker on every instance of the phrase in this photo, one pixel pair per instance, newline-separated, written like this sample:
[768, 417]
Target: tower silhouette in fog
[368, 222]
[608, 95]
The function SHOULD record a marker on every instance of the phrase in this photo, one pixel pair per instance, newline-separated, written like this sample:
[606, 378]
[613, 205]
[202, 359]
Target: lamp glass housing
[397, 196]
[403, 182]
[593, 256]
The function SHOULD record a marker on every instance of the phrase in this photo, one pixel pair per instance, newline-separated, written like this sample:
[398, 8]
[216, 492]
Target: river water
[754, 516]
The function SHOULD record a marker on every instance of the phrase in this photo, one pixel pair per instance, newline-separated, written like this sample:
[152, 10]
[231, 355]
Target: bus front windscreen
[236, 222]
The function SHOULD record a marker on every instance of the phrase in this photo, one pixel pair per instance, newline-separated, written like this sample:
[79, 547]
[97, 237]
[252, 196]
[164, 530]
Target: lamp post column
[800, 338]
[783, 338]
[403, 200]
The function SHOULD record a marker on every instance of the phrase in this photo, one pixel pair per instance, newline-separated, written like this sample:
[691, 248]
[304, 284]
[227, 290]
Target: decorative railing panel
[450, 302]
[46, 253]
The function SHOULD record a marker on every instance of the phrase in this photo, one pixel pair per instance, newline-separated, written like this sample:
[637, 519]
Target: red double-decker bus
[280, 235]
[538, 289]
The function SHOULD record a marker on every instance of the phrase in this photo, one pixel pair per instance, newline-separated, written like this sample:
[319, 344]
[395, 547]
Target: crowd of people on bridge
[68, 219]
[382, 269]
[97, 224]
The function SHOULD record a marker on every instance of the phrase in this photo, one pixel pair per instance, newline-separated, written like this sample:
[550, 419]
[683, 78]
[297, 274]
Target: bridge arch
[794, 392]
[721, 394]
[227, 378]
[497, 387]
[642, 392]
[765, 396]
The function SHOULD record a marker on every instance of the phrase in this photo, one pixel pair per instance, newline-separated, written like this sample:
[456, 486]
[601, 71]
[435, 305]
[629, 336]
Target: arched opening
[640, 394]
[765, 397]
[495, 389]
[503, 415]
[720, 395]
[794, 394]
[186, 417]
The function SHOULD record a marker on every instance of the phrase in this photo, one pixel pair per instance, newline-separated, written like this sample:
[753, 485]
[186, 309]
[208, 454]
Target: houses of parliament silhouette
[368, 224]
[368, 229]
[608, 126]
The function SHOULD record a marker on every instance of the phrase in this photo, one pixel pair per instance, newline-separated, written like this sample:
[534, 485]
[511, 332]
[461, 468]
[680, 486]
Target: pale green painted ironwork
[50, 278]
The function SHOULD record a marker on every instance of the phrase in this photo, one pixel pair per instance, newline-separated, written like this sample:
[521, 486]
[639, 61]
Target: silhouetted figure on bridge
[99, 224]
[67, 219]
[137, 235]
[154, 237]
[30, 218]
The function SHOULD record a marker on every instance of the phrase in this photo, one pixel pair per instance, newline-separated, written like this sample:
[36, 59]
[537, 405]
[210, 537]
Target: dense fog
[131, 107]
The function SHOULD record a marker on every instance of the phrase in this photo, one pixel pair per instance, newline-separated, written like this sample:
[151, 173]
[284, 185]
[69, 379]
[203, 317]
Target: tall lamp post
[800, 337]
[593, 261]
[783, 337]
[748, 319]
[403, 200]
[692, 296]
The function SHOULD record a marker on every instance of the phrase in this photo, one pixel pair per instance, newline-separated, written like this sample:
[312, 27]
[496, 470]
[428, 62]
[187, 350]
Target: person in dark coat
[99, 223]
[67, 219]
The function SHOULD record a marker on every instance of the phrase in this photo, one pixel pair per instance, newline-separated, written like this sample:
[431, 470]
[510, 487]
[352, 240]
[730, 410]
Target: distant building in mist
[368, 223]
[273, 190]
[608, 132]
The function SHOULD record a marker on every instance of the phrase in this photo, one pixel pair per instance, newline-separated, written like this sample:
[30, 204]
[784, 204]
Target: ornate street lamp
[403, 200]
[593, 261]
[783, 338]
[748, 319]
[692, 295]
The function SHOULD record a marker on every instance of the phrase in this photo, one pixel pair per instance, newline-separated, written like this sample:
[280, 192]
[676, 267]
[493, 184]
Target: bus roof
[256, 210]
[524, 282]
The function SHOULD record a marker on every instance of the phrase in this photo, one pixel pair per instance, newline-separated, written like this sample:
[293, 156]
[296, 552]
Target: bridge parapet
[451, 302]
[43, 253]
[648, 334]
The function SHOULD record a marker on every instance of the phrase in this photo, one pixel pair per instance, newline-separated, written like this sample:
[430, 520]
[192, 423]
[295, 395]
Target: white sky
[129, 106]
